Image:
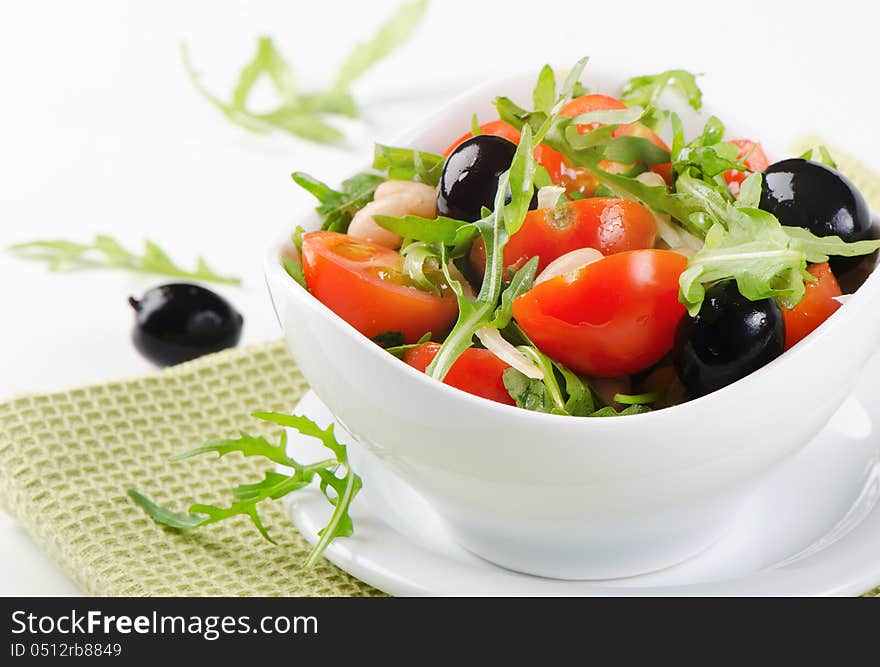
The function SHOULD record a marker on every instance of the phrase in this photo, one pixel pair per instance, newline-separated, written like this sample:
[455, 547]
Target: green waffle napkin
[67, 459]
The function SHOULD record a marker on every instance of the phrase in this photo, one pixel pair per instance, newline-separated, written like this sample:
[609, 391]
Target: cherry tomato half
[476, 371]
[757, 161]
[817, 305]
[615, 317]
[544, 155]
[365, 285]
[609, 225]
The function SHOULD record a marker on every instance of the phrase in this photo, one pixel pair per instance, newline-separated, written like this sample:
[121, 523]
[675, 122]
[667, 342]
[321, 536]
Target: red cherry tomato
[817, 305]
[477, 371]
[544, 155]
[606, 224]
[757, 161]
[365, 285]
[616, 317]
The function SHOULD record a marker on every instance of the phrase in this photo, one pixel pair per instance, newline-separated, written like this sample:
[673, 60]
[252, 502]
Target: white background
[101, 132]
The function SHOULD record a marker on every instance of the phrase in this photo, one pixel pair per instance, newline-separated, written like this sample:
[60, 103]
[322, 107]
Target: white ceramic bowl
[566, 497]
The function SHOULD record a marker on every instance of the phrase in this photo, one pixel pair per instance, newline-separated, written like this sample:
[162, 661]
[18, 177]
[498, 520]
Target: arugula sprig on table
[304, 114]
[105, 252]
[337, 481]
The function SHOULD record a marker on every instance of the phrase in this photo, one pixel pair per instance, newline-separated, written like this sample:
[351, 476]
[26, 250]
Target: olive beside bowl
[179, 322]
[569, 497]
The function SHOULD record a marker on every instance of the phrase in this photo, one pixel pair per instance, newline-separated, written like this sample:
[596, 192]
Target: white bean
[396, 199]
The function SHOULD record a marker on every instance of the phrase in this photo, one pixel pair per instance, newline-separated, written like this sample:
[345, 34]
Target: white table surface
[101, 132]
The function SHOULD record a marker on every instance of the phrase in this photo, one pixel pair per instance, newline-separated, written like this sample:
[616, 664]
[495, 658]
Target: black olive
[802, 193]
[728, 339]
[179, 322]
[470, 177]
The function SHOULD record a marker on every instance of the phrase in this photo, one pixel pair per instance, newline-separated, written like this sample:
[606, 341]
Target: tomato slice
[817, 305]
[607, 224]
[615, 317]
[757, 161]
[365, 285]
[544, 155]
[476, 371]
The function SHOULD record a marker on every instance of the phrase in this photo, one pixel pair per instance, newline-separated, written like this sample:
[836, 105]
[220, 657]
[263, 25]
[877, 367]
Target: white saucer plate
[811, 527]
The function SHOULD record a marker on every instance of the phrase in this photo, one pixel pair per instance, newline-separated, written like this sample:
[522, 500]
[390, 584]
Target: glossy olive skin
[470, 177]
[803, 193]
[728, 339]
[179, 322]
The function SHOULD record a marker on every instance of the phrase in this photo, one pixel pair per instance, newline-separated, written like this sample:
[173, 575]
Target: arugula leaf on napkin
[304, 114]
[339, 489]
[106, 252]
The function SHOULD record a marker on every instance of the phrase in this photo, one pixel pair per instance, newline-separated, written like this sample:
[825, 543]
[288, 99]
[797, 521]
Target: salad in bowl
[584, 327]
[569, 260]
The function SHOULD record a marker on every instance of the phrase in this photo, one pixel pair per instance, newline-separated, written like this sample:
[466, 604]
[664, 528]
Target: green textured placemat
[67, 458]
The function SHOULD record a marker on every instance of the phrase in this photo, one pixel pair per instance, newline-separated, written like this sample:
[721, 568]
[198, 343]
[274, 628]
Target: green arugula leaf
[448, 231]
[628, 149]
[637, 399]
[545, 364]
[529, 393]
[399, 350]
[646, 90]
[609, 411]
[544, 94]
[389, 339]
[520, 283]
[246, 444]
[677, 136]
[340, 490]
[818, 249]
[406, 164]
[546, 395]
[710, 160]
[105, 252]
[610, 116]
[294, 270]
[475, 126]
[392, 34]
[271, 480]
[823, 158]
[345, 488]
[579, 89]
[580, 399]
[163, 515]
[267, 60]
[303, 115]
[415, 257]
[766, 259]
[297, 238]
[750, 192]
[337, 207]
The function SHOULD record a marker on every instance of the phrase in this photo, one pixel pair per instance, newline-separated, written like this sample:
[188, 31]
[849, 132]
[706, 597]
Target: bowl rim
[273, 267]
